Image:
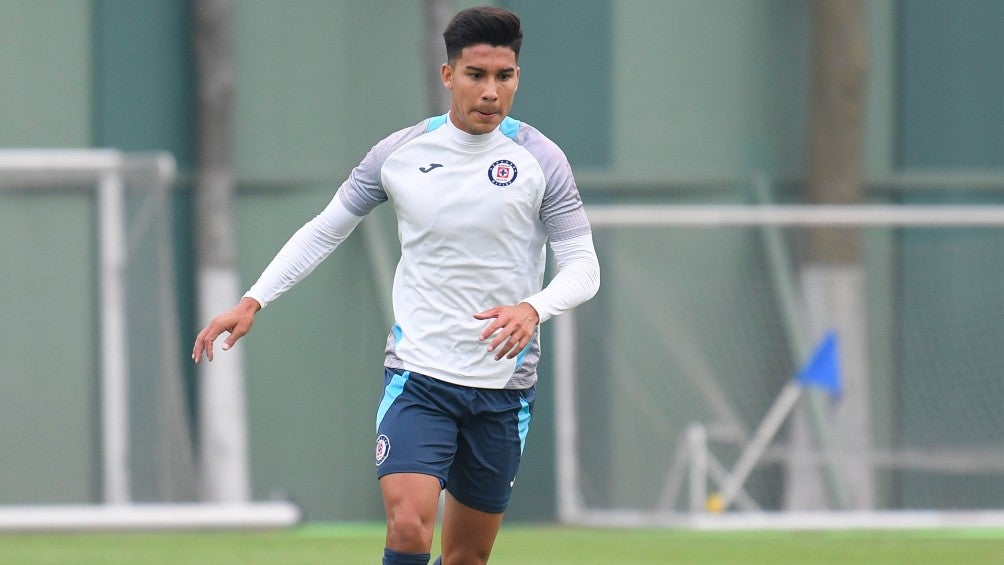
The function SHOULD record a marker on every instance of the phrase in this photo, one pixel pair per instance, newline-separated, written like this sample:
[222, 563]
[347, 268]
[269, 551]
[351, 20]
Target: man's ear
[446, 73]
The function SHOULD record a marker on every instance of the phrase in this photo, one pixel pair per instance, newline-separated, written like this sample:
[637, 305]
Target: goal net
[688, 390]
[97, 416]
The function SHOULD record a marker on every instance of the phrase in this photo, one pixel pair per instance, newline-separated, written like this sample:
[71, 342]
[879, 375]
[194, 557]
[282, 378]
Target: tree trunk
[832, 274]
[222, 405]
[438, 14]
[836, 121]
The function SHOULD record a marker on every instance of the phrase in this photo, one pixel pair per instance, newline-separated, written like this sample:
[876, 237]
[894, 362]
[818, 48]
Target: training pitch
[350, 544]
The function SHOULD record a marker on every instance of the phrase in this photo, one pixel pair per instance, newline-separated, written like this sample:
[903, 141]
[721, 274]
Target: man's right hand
[236, 320]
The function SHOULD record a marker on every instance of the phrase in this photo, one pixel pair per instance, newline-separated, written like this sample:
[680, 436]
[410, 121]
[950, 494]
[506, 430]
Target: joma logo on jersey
[502, 172]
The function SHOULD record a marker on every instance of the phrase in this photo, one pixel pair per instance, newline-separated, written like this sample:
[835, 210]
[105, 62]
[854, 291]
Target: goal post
[707, 315]
[101, 171]
[140, 467]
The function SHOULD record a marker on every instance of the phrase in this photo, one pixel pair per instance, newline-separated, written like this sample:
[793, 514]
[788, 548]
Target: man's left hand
[513, 327]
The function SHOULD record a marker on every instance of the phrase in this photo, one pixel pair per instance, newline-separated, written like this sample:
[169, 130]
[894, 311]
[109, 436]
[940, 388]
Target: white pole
[114, 340]
[858, 215]
[566, 429]
[697, 448]
[764, 433]
[222, 403]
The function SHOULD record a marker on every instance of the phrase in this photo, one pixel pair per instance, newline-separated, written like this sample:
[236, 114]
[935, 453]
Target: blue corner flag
[823, 369]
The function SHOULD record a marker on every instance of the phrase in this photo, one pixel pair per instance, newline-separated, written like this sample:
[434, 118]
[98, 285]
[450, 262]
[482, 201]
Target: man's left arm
[577, 280]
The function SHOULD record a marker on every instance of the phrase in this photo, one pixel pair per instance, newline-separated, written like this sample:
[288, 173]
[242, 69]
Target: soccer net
[97, 417]
[791, 365]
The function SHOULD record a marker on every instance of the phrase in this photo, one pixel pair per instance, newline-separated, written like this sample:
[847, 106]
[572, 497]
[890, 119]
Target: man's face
[482, 82]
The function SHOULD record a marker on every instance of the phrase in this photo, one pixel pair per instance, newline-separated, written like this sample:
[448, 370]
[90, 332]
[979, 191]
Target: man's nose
[491, 90]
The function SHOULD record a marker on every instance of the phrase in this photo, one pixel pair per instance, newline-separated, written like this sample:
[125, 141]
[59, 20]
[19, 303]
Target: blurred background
[653, 101]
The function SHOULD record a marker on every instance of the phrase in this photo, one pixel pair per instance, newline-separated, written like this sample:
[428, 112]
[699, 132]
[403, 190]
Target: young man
[477, 195]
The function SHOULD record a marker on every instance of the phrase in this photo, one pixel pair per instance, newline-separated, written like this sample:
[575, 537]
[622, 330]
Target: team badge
[382, 449]
[502, 172]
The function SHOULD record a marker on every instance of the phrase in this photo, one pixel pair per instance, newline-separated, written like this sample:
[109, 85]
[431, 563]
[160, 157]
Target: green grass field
[350, 544]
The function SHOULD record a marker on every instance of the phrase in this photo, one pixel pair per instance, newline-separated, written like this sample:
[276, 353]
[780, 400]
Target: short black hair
[485, 24]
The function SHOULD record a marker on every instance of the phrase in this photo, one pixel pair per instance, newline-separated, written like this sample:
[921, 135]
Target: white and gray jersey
[474, 214]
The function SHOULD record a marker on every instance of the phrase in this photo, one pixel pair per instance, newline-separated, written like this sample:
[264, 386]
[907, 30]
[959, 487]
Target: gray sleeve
[561, 209]
[363, 190]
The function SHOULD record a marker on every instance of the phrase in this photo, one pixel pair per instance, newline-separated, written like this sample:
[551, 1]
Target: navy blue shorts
[470, 438]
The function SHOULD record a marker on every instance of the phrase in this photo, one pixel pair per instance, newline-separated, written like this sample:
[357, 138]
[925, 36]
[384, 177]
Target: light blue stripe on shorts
[524, 422]
[390, 394]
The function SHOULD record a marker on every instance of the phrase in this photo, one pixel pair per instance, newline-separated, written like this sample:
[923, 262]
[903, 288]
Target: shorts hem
[381, 473]
[479, 505]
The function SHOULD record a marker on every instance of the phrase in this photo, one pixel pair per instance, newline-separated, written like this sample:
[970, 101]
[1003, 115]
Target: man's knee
[410, 501]
[409, 529]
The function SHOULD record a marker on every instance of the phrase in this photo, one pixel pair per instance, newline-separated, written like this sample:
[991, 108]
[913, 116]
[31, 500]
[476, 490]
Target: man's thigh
[416, 429]
[490, 448]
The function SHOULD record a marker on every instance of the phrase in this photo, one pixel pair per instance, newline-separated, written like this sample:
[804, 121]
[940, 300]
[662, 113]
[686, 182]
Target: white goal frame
[571, 506]
[102, 171]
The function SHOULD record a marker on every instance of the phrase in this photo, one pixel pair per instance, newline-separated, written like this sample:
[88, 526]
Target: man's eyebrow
[476, 69]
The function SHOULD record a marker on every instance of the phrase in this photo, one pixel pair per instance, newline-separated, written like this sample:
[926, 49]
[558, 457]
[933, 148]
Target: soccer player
[477, 196]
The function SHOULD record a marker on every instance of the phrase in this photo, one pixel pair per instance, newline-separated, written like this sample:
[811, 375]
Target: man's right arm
[310, 245]
[304, 251]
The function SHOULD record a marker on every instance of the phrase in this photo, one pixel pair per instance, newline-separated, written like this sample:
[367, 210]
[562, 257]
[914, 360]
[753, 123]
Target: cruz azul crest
[382, 449]
[502, 172]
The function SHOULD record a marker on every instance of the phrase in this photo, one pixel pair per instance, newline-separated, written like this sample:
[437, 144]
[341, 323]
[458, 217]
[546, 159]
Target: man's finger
[509, 343]
[206, 343]
[231, 340]
[493, 327]
[200, 347]
[486, 314]
[209, 349]
[517, 346]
